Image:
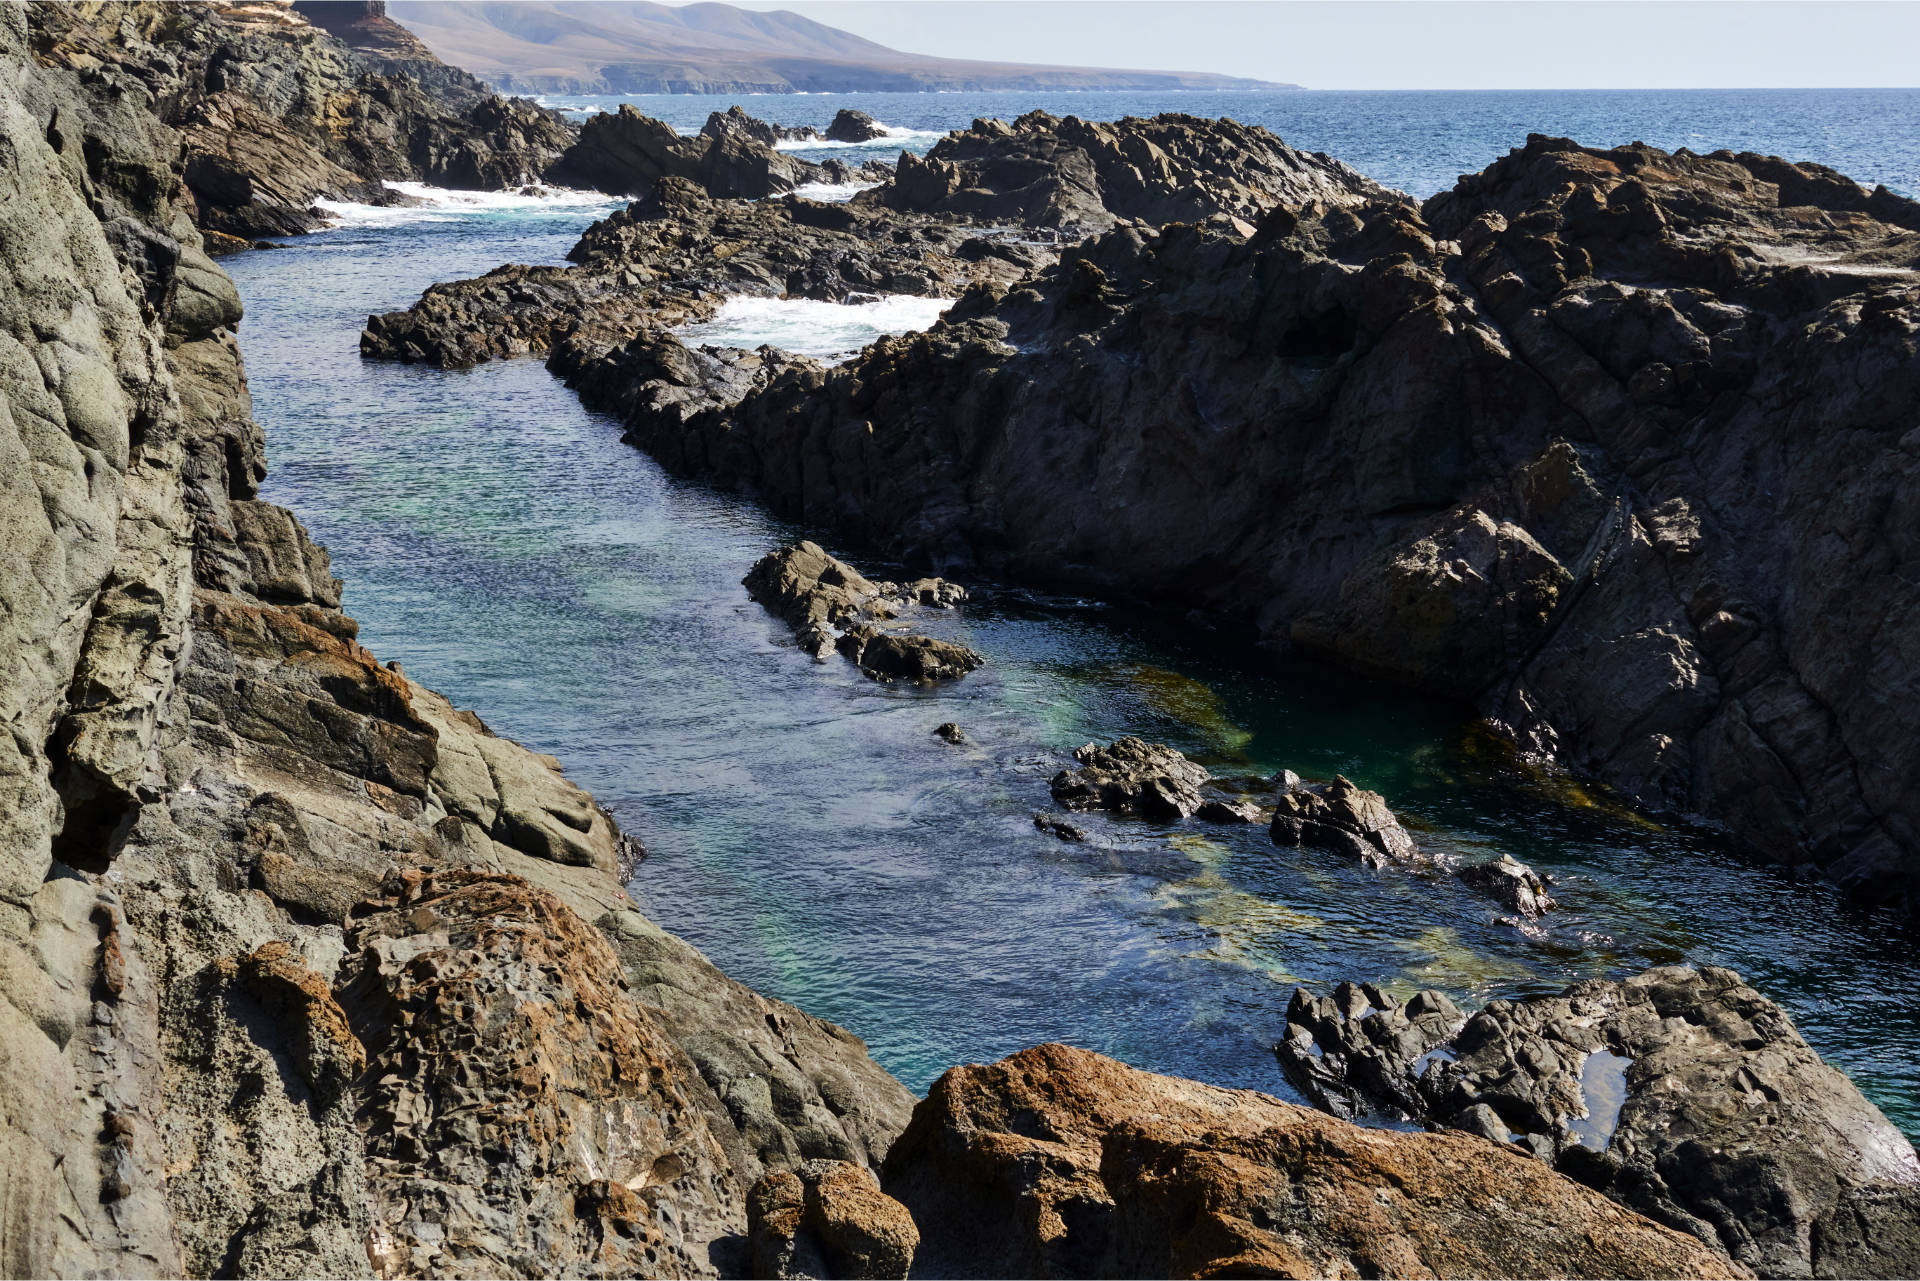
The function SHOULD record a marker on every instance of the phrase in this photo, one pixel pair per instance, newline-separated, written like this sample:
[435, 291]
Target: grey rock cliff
[292, 948]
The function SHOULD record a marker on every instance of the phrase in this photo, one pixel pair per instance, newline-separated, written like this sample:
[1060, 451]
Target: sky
[1420, 44]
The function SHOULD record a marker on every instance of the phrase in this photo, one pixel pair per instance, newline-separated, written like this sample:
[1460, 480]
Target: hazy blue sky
[1419, 44]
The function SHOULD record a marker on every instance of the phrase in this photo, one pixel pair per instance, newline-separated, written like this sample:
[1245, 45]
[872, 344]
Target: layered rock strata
[1681, 1093]
[1607, 444]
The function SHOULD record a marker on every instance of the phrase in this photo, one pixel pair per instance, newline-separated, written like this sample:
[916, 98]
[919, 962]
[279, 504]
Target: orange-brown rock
[827, 1219]
[1059, 1162]
[522, 1114]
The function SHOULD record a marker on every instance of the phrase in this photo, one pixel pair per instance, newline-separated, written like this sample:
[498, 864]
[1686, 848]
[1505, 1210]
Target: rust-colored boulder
[1059, 1162]
[827, 1219]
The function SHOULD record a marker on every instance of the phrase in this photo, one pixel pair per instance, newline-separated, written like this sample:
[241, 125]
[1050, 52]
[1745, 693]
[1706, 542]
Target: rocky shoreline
[1539, 445]
[308, 972]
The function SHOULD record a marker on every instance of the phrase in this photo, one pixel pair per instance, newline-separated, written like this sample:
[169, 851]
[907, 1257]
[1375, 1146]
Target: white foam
[892, 139]
[832, 192]
[440, 204]
[831, 331]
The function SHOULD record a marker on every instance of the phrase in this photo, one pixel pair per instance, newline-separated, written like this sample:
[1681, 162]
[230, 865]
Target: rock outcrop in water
[276, 112]
[1078, 177]
[1605, 443]
[1683, 1094]
[1058, 1162]
[832, 606]
[1132, 776]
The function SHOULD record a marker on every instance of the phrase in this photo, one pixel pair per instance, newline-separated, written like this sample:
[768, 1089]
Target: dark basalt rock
[1054, 825]
[853, 126]
[737, 122]
[1132, 776]
[1077, 177]
[1346, 819]
[671, 259]
[948, 732]
[1683, 1094]
[1539, 447]
[628, 154]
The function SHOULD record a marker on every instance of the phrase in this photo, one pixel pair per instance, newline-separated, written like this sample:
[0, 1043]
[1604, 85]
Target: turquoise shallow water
[809, 833]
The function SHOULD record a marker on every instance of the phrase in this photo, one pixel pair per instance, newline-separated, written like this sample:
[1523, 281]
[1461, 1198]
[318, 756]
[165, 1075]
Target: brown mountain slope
[630, 46]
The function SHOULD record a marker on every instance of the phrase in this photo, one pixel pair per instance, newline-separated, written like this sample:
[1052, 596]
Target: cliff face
[1615, 444]
[293, 949]
[276, 112]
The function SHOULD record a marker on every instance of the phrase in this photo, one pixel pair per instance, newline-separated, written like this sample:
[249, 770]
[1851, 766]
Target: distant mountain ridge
[632, 46]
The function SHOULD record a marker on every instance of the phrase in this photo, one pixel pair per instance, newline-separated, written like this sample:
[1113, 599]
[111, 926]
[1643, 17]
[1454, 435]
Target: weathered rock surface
[1078, 177]
[627, 154]
[276, 112]
[827, 1219]
[1543, 446]
[1509, 881]
[1057, 1162]
[1683, 1094]
[1344, 818]
[832, 606]
[292, 949]
[1132, 776]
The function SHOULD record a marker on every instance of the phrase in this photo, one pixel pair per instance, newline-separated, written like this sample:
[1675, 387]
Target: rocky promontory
[276, 112]
[1545, 446]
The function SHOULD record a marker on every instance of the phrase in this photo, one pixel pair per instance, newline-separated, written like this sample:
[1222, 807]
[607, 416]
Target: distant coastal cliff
[548, 46]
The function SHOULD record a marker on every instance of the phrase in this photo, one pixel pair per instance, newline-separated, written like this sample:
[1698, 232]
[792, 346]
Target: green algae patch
[1188, 701]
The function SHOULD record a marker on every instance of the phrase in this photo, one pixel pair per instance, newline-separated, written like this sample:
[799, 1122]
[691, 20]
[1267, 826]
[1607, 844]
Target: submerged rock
[1054, 825]
[1344, 818]
[1681, 1093]
[1058, 1162]
[1509, 881]
[947, 731]
[1132, 776]
[830, 605]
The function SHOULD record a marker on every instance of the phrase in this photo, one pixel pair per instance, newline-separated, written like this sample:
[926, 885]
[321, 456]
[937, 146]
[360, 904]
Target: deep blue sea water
[811, 835]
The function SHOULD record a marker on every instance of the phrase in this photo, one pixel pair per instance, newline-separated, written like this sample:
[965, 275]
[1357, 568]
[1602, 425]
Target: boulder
[1058, 1162]
[1132, 776]
[1681, 1093]
[1511, 883]
[625, 153]
[854, 126]
[830, 605]
[827, 1219]
[1346, 819]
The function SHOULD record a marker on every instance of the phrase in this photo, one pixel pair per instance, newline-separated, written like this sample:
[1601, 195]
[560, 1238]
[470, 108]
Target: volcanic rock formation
[1605, 443]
